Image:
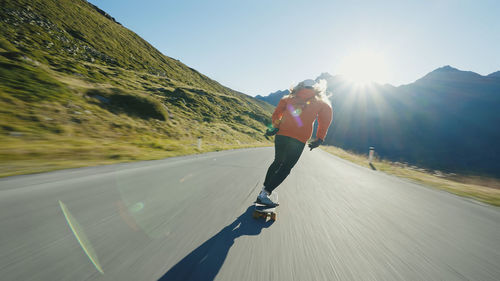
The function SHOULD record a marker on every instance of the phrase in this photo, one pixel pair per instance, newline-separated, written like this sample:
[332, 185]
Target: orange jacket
[294, 116]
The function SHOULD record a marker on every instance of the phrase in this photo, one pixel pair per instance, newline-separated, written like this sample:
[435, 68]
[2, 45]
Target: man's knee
[288, 167]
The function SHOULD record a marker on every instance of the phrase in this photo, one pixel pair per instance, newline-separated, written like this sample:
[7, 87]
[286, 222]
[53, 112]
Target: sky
[261, 46]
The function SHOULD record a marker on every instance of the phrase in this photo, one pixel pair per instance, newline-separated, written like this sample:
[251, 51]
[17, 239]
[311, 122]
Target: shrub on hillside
[29, 83]
[132, 104]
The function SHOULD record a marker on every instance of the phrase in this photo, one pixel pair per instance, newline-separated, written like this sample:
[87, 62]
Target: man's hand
[272, 132]
[315, 143]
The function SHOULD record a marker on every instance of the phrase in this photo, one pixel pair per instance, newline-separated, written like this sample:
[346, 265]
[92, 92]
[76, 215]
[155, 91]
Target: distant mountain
[273, 98]
[446, 120]
[494, 74]
[450, 74]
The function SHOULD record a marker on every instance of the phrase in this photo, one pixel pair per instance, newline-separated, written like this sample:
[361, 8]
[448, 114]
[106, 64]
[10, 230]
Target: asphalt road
[189, 218]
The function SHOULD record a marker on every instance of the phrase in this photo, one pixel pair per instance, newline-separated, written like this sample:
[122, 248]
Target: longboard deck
[261, 210]
[264, 208]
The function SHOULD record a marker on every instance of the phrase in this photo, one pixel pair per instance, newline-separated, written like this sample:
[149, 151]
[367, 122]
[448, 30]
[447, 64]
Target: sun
[363, 67]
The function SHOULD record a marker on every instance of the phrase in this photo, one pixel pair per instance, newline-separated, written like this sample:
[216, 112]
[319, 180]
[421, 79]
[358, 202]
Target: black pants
[287, 152]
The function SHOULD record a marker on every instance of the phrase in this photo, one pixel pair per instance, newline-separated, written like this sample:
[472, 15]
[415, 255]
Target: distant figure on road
[293, 121]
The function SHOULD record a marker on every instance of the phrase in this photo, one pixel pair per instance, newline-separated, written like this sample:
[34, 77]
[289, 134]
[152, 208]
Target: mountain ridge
[494, 74]
[442, 69]
[443, 120]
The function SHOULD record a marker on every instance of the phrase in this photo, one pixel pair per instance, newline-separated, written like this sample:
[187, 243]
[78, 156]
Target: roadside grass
[99, 123]
[482, 189]
[21, 156]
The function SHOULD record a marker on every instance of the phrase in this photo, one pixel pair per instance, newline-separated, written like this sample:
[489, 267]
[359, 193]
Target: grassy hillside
[77, 88]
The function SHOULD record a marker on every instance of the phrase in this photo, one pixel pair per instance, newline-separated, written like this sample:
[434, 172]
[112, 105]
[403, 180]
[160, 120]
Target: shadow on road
[204, 262]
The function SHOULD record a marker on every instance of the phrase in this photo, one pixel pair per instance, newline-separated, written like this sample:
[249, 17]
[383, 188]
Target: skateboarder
[293, 121]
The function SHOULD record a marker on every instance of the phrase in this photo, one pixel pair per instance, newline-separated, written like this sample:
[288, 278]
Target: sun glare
[364, 67]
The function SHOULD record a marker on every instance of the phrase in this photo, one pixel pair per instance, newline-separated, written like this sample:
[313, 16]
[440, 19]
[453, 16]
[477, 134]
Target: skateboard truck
[263, 211]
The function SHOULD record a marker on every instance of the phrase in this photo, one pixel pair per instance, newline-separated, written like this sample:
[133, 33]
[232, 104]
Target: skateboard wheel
[273, 216]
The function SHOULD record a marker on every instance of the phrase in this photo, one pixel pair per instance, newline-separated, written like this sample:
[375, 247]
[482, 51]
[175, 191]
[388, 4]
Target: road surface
[189, 218]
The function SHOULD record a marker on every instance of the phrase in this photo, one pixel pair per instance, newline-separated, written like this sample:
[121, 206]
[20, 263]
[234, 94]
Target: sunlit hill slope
[78, 88]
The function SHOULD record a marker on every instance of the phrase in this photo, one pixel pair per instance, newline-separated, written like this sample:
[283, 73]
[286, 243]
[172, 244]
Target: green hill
[77, 88]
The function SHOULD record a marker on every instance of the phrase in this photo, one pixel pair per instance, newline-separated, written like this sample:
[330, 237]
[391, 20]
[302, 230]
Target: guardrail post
[199, 143]
[370, 154]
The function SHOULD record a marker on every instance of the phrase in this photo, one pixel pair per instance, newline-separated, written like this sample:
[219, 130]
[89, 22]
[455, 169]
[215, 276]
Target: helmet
[308, 83]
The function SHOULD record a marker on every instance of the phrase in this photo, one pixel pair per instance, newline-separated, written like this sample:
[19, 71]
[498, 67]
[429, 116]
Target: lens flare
[296, 114]
[365, 66]
[137, 207]
[81, 237]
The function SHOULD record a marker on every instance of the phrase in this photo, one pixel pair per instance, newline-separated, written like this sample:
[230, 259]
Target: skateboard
[265, 211]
